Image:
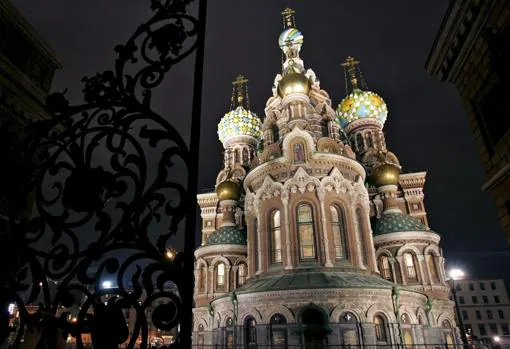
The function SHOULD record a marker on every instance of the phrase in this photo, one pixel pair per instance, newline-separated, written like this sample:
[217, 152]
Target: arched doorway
[314, 328]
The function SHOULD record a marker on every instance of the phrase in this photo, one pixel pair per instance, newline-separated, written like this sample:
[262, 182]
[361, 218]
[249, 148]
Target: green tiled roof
[314, 280]
[230, 235]
[397, 222]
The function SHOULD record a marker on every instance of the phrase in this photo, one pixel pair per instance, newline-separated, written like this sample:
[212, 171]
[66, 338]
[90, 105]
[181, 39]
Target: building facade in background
[472, 51]
[313, 236]
[27, 68]
[485, 309]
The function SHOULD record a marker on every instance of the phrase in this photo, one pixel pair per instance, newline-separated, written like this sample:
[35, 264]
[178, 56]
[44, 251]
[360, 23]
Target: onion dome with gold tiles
[227, 235]
[239, 121]
[360, 103]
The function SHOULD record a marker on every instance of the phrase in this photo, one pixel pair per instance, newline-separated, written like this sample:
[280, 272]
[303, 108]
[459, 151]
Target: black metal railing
[111, 182]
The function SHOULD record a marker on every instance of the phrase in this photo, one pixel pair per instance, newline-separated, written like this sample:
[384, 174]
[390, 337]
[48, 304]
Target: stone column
[393, 273]
[259, 239]
[211, 283]
[285, 201]
[227, 278]
[421, 259]
[402, 271]
[359, 244]
[327, 251]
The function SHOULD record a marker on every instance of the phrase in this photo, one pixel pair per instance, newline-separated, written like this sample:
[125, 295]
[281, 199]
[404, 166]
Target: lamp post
[457, 274]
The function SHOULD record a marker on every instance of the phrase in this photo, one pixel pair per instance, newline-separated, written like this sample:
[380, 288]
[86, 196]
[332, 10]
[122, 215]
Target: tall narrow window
[220, 275]
[241, 274]
[384, 267]
[251, 332]
[370, 142]
[380, 329]
[276, 240]
[339, 232]
[278, 331]
[410, 267]
[306, 231]
[361, 236]
[431, 262]
[359, 142]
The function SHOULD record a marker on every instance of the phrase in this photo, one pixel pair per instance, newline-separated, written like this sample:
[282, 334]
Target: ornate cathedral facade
[315, 235]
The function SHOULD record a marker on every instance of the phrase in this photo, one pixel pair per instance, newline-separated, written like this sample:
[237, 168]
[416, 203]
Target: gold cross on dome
[350, 62]
[288, 17]
[240, 80]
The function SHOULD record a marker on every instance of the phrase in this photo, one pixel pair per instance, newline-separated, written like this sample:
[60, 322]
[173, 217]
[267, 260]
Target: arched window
[446, 324]
[250, 330]
[339, 232]
[241, 274]
[275, 133]
[385, 268]
[370, 141]
[276, 237]
[361, 236]
[431, 263]
[410, 267]
[347, 318]
[359, 142]
[278, 331]
[200, 337]
[306, 231]
[229, 324]
[380, 329]
[202, 280]
[220, 275]
[405, 319]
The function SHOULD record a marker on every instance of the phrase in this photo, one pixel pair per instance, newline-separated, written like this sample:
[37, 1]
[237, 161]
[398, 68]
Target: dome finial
[350, 66]
[240, 93]
[288, 18]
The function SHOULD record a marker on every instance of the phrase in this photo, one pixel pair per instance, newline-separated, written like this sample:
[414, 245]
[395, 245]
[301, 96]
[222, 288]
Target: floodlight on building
[456, 274]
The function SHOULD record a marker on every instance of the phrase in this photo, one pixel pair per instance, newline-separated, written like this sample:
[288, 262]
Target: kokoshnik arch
[313, 235]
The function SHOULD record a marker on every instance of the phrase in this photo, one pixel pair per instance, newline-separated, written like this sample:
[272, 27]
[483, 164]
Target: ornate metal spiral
[106, 186]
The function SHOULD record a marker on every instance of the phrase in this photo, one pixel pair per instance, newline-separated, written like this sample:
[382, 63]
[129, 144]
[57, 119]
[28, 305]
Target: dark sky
[426, 126]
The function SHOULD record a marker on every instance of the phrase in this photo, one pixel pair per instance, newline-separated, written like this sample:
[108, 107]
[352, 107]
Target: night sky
[426, 126]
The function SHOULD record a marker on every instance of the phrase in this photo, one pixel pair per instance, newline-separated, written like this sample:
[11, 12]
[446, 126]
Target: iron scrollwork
[106, 183]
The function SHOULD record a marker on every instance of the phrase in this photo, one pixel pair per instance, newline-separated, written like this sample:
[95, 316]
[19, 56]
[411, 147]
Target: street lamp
[497, 339]
[457, 274]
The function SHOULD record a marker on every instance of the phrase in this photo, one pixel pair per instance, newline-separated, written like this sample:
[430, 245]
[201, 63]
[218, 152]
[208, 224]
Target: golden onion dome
[361, 104]
[385, 174]
[228, 190]
[239, 122]
[294, 83]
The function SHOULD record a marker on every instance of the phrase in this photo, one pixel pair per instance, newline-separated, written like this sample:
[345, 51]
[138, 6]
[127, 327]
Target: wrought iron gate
[102, 179]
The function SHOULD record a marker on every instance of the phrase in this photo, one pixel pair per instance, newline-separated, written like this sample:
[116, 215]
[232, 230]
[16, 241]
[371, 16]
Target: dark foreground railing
[111, 181]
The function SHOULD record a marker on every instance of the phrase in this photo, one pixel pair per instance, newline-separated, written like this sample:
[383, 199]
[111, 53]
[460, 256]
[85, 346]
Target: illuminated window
[250, 332]
[384, 267]
[409, 264]
[220, 275]
[380, 328]
[339, 232]
[306, 231]
[276, 238]
[241, 274]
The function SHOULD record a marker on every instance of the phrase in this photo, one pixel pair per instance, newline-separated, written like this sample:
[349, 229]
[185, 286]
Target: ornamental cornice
[362, 123]
[412, 180]
[400, 242]
[222, 249]
[207, 199]
[408, 235]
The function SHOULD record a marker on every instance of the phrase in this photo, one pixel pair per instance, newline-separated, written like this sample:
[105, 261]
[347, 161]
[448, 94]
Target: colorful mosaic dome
[359, 105]
[239, 122]
[229, 235]
[290, 37]
[397, 222]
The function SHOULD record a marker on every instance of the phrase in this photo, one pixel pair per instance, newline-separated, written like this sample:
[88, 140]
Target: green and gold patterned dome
[239, 122]
[227, 235]
[397, 222]
[361, 104]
